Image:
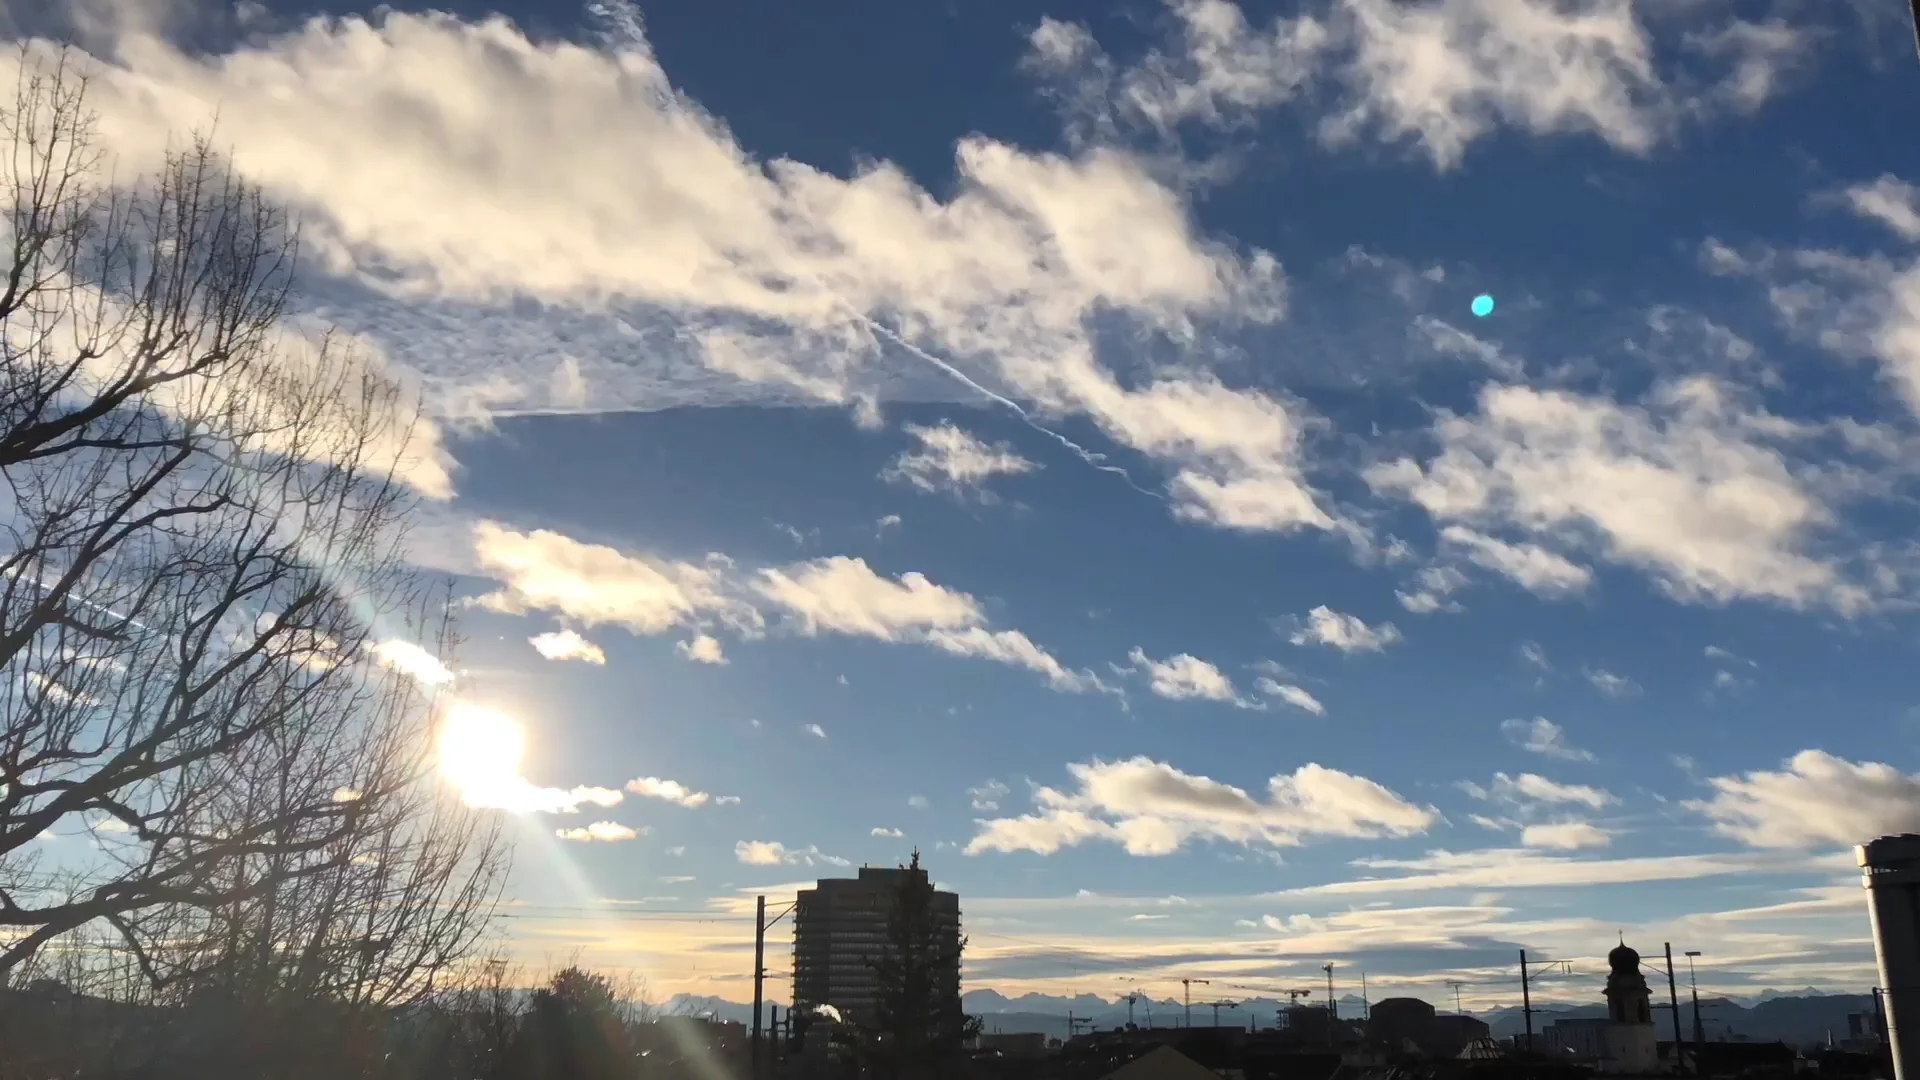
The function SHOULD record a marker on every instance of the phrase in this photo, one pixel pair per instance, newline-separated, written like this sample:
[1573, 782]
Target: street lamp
[1693, 984]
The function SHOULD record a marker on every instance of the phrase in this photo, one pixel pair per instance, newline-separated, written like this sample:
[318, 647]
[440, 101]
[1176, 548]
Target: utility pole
[1673, 999]
[1526, 989]
[1186, 996]
[1699, 1026]
[760, 927]
[759, 972]
[1333, 1007]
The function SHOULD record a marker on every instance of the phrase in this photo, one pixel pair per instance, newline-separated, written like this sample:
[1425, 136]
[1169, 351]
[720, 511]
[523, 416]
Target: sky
[1059, 438]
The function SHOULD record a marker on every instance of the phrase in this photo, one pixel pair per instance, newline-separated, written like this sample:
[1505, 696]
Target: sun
[480, 752]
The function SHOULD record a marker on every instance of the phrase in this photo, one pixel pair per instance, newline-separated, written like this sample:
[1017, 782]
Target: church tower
[1628, 999]
[1632, 1047]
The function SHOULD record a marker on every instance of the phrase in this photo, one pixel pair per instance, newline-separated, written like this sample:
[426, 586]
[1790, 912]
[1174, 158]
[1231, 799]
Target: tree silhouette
[919, 1024]
[576, 1028]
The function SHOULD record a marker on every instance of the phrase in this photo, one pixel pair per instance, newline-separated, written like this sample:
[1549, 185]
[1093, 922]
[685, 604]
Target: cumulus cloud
[1295, 696]
[1689, 486]
[1348, 633]
[1610, 684]
[1153, 809]
[1182, 678]
[413, 661]
[1544, 737]
[1891, 201]
[598, 585]
[701, 649]
[1016, 649]
[652, 787]
[789, 282]
[1532, 567]
[599, 832]
[1565, 836]
[951, 460]
[773, 853]
[815, 730]
[988, 795]
[890, 834]
[844, 595]
[1533, 788]
[1221, 69]
[567, 644]
[1814, 800]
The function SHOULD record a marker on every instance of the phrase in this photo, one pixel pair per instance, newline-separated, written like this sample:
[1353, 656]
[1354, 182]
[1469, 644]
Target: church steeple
[1629, 1001]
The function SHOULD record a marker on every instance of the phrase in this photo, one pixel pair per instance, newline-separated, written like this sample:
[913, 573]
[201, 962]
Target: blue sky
[1058, 436]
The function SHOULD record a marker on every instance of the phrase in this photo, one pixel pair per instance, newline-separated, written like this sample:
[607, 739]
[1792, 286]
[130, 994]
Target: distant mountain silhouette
[1800, 1018]
[1795, 1019]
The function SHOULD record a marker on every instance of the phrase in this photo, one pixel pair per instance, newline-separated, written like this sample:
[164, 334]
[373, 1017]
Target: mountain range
[1800, 1018]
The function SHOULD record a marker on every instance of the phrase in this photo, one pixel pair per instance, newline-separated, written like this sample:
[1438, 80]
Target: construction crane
[1186, 996]
[1456, 984]
[1217, 1006]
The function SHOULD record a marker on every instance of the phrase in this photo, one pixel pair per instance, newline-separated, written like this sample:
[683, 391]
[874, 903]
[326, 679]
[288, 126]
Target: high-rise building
[840, 933]
[1891, 867]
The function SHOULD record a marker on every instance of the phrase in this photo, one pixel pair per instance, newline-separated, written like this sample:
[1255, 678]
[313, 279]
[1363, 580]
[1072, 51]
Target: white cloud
[1447, 72]
[652, 787]
[1014, 648]
[1532, 653]
[1431, 590]
[1610, 684]
[815, 730]
[779, 273]
[845, 596]
[1890, 201]
[1182, 677]
[917, 802]
[1222, 70]
[1292, 695]
[1325, 626]
[988, 795]
[1816, 800]
[1523, 868]
[762, 853]
[1542, 736]
[599, 832]
[954, 461]
[1533, 788]
[1530, 566]
[567, 644]
[1153, 809]
[1565, 836]
[413, 661]
[1688, 487]
[1760, 56]
[773, 853]
[701, 649]
[598, 585]
[890, 834]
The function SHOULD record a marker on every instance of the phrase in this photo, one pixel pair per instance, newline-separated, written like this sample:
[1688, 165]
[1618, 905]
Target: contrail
[1098, 461]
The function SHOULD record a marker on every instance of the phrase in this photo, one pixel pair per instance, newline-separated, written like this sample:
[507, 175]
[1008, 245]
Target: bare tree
[200, 523]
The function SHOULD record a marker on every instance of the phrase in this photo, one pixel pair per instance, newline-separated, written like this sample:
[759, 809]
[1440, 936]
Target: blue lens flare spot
[1482, 306]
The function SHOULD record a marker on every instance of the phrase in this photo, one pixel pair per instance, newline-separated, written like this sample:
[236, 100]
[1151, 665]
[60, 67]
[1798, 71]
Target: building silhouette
[840, 932]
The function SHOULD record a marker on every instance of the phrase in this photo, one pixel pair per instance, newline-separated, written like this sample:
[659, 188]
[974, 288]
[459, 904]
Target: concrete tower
[1892, 877]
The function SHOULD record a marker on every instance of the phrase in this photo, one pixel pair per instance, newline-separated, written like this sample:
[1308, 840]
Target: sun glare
[480, 752]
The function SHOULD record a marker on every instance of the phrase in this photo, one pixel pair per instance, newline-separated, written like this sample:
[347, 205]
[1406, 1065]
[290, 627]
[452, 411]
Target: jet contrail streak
[1098, 461]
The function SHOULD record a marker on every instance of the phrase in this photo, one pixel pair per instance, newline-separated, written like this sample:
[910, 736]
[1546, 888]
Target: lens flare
[1482, 306]
[480, 752]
